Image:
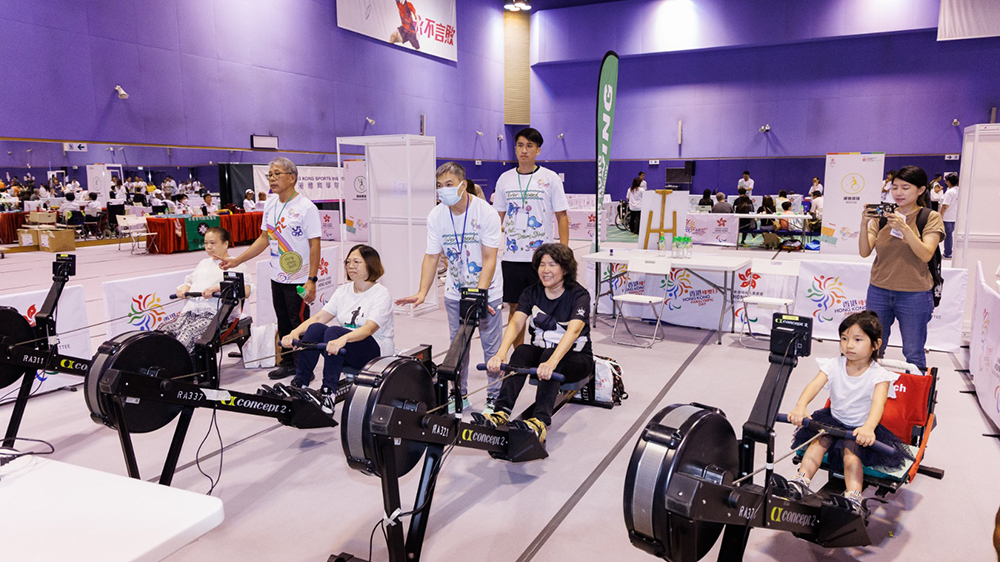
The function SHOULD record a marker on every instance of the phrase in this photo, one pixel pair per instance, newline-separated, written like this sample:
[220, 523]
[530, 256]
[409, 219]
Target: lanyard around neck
[524, 190]
[278, 218]
[460, 242]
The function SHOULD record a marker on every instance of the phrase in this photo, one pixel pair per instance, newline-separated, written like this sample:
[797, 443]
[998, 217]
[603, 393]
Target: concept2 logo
[146, 312]
[826, 292]
[781, 515]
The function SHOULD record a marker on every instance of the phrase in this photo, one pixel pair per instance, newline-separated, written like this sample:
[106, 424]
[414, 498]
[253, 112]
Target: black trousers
[291, 311]
[633, 221]
[575, 366]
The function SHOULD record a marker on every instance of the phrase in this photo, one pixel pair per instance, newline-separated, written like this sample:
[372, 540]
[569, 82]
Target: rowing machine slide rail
[681, 491]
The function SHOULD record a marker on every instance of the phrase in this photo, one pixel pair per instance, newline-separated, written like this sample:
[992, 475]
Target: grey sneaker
[798, 488]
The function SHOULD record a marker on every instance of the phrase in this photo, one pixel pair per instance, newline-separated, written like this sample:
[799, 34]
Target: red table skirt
[171, 237]
[10, 222]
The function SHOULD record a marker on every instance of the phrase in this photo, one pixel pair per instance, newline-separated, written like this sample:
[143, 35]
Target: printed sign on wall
[852, 180]
[428, 26]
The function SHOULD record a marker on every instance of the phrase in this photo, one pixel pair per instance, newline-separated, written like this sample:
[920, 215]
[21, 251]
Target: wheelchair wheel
[622, 216]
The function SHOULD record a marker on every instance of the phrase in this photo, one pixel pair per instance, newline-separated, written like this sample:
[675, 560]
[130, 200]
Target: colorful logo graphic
[359, 185]
[146, 312]
[826, 293]
[324, 266]
[721, 222]
[748, 279]
[616, 275]
[30, 316]
[852, 184]
[675, 286]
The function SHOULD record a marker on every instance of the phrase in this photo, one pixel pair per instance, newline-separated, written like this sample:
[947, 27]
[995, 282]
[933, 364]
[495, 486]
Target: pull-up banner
[852, 180]
[607, 98]
[428, 26]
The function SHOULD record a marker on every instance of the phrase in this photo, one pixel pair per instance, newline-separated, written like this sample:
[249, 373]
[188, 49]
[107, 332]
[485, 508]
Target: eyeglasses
[272, 175]
[353, 262]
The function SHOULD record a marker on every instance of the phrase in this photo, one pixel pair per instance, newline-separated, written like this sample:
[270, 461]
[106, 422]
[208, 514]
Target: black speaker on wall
[689, 167]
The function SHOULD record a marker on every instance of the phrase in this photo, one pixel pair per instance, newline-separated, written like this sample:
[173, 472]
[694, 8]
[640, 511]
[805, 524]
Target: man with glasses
[531, 201]
[291, 229]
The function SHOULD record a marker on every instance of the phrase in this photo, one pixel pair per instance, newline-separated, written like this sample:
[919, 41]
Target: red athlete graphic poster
[428, 26]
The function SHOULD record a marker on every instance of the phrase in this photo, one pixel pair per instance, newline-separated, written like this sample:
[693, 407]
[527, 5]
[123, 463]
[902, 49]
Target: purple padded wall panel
[894, 93]
[213, 72]
[643, 27]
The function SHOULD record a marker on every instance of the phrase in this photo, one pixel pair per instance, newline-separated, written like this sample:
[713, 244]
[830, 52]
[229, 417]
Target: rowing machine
[393, 416]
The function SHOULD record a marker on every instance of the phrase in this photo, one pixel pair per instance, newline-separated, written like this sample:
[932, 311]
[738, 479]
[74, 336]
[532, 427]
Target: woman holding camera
[901, 282]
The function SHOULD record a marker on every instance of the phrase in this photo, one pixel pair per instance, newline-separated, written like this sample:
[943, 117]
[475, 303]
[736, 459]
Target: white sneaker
[490, 406]
[328, 401]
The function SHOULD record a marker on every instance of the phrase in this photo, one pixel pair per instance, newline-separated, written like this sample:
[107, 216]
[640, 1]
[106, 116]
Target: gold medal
[290, 262]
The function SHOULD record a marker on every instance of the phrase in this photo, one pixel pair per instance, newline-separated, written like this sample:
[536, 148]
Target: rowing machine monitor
[232, 286]
[472, 305]
[791, 334]
[64, 267]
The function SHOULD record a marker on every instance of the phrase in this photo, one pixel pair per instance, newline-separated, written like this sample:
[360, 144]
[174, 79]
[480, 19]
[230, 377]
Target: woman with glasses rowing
[363, 310]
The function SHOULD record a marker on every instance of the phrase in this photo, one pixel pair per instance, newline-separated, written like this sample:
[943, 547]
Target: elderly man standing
[291, 229]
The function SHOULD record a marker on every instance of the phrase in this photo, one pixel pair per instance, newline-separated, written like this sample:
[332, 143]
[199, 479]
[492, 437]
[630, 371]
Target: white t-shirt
[936, 195]
[208, 274]
[249, 205]
[851, 397]
[290, 226]
[530, 208]
[93, 209]
[887, 192]
[818, 187]
[817, 206]
[951, 200]
[748, 184]
[481, 227]
[352, 310]
[635, 198]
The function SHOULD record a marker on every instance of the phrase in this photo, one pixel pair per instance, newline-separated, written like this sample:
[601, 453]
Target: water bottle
[661, 245]
[687, 246]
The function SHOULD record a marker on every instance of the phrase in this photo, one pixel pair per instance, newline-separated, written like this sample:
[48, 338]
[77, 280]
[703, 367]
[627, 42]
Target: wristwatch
[314, 279]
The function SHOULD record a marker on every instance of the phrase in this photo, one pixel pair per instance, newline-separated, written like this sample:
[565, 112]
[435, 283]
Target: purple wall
[213, 72]
[894, 93]
[642, 27]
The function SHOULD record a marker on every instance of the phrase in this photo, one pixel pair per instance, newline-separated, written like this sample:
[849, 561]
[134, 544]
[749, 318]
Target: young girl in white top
[363, 308]
[859, 388]
[206, 278]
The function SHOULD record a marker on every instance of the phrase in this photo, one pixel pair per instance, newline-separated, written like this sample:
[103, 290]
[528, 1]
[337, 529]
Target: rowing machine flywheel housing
[401, 382]
[154, 354]
[681, 438]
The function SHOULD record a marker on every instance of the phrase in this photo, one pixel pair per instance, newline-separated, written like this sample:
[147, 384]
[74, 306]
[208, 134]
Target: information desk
[171, 233]
[10, 221]
[613, 267]
[56, 511]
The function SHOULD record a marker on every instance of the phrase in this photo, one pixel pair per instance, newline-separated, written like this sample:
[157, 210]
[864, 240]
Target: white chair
[641, 266]
[135, 227]
[778, 278]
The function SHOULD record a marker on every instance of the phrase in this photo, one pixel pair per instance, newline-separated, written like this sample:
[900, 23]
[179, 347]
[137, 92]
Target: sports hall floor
[289, 494]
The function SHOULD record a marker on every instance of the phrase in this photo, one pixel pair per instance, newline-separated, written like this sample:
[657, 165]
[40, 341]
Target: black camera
[791, 335]
[881, 209]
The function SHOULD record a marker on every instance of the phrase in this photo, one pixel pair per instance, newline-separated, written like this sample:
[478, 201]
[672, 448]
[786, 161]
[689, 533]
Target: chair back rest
[778, 278]
[910, 408]
[649, 266]
[132, 222]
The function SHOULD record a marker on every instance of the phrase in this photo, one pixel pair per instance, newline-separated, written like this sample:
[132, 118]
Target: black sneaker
[281, 373]
[327, 395]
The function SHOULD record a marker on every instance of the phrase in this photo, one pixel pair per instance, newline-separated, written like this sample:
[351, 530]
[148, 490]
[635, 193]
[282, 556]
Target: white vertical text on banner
[852, 180]
[984, 347]
[428, 26]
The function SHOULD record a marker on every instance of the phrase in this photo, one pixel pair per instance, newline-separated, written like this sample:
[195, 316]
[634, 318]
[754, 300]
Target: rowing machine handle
[315, 345]
[558, 377]
[192, 294]
[842, 434]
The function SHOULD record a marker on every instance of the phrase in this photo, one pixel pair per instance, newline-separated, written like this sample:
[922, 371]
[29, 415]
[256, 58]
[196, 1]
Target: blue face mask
[449, 195]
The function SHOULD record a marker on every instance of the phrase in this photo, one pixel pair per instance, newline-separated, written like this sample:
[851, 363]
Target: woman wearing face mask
[363, 309]
[901, 283]
[206, 278]
[467, 231]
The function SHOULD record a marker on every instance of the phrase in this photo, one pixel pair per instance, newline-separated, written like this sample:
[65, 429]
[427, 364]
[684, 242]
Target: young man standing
[291, 229]
[467, 231]
[531, 201]
[746, 182]
[949, 213]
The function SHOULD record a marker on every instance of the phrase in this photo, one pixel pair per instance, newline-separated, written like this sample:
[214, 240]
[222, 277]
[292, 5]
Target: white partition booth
[977, 230]
[401, 192]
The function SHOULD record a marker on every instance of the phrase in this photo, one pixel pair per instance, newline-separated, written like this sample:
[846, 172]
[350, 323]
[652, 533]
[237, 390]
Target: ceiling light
[523, 4]
[510, 5]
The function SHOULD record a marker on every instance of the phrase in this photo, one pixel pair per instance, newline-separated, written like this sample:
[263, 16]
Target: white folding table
[727, 265]
[51, 510]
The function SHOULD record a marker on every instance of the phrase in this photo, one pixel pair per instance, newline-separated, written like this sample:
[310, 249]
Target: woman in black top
[706, 198]
[559, 331]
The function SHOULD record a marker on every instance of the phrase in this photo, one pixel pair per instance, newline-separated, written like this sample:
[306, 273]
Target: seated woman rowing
[559, 331]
